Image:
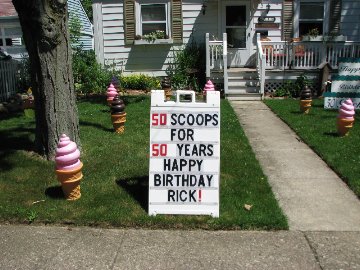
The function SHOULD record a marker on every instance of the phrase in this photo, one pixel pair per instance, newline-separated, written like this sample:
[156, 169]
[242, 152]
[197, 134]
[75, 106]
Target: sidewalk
[47, 247]
[324, 219]
[311, 195]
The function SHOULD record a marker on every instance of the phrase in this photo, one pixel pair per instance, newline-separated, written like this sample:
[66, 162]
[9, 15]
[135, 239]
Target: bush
[187, 71]
[89, 76]
[24, 75]
[292, 89]
[139, 82]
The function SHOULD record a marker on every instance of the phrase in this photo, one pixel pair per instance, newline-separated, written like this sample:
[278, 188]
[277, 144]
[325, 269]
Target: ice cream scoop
[305, 94]
[111, 91]
[209, 86]
[347, 109]
[117, 105]
[165, 83]
[67, 154]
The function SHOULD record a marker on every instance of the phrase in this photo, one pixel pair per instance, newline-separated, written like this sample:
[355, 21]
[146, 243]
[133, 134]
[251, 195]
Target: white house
[263, 36]
[11, 34]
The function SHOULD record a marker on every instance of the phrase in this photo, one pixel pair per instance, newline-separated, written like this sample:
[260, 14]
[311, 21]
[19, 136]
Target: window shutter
[287, 22]
[176, 21]
[129, 21]
[335, 16]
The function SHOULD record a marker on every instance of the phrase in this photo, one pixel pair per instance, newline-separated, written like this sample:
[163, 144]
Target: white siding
[76, 9]
[151, 59]
[350, 19]
[275, 11]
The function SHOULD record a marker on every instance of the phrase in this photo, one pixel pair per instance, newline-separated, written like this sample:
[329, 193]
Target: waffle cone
[167, 93]
[305, 105]
[118, 121]
[70, 182]
[344, 125]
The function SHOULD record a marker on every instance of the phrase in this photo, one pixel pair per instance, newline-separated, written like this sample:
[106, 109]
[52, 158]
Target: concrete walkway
[312, 196]
[46, 247]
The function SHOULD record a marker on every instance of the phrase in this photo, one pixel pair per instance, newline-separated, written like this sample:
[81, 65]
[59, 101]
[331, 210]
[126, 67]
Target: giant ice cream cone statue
[68, 168]
[166, 86]
[110, 93]
[305, 100]
[118, 114]
[345, 118]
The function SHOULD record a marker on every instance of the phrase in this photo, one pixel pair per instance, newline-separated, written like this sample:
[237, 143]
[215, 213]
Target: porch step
[243, 84]
[246, 96]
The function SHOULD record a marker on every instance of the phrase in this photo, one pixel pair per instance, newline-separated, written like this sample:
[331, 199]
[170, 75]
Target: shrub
[292, 89]
[89, 76]
[187, 71]
[139, 82]
[24, 75]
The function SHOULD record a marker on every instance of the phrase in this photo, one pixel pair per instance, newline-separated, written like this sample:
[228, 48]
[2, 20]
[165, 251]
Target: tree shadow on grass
[12, 140]
[95, 125]
[138, 188]
[55, 192]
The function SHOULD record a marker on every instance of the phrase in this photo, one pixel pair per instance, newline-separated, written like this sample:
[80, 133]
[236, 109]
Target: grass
[318, 130]
[114, 188]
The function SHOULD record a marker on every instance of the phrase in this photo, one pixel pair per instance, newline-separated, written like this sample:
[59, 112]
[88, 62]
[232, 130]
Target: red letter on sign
[159, 149]
[158, 119]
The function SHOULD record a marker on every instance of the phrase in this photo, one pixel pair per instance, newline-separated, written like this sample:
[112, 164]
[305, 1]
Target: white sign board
[349, 66]
[184, 155]
[345, 84]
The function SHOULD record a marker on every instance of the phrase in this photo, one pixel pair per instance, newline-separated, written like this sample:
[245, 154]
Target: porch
[272, 63]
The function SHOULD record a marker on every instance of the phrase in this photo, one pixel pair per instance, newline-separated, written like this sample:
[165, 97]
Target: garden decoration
[68, 168]
[305, 99]
[116, 83]
[345, 118]
[209, 86]
[111, 93]
[166, 86]
[118, 116]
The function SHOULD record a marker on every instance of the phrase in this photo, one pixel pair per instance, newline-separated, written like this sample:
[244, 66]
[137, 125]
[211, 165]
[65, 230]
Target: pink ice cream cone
[68, 167]
[345, 119]
[111, 93]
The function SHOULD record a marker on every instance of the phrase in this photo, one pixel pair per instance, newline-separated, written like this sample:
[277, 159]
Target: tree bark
[45, 30]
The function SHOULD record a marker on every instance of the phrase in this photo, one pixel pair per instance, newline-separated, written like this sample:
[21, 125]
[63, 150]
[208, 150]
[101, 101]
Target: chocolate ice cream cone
[344, 125]
[70, 182]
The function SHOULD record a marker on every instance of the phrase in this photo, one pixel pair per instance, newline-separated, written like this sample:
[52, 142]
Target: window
[152, 17]
[311, 17]
[142, 17]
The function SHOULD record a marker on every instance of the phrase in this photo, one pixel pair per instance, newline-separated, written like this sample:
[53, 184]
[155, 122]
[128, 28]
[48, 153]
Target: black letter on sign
[171, 194]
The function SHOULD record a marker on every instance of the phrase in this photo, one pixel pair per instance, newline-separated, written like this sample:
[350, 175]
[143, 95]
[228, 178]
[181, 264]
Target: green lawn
[318, 130]
[114, 188]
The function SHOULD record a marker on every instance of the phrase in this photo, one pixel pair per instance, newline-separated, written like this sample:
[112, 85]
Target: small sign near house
[344, 85]
[184, 166]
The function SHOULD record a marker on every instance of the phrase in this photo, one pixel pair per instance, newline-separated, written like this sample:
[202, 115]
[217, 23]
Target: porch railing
[260, 64]
[305, 55]
[216, 57]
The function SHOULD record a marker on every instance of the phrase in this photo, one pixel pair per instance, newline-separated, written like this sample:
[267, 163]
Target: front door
[236, 24]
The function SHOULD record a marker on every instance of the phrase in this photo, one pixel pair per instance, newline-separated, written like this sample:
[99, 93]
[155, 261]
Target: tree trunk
[45, 30]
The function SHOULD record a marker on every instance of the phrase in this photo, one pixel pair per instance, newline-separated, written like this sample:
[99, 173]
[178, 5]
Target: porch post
[225, 63]
[207, 48]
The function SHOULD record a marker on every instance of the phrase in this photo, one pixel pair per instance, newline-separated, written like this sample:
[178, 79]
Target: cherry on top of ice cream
[67, 154]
